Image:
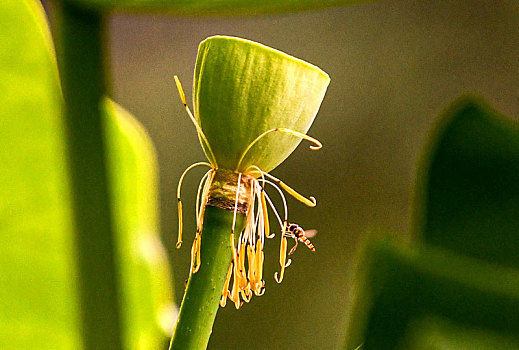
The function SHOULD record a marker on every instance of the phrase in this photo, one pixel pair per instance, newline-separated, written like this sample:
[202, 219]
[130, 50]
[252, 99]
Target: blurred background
[395, 66]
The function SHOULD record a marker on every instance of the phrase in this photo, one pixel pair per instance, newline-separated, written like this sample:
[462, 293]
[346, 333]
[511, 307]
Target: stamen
[258, 262]
[317, 144]
[236, 202]
[242, 278]
[282, 260]
[254, 167]
[202, 200]
[311, 201]
[251, 273]
[197, 244]
[234, 296]
[225, 289]
[265, 216]
[195, 255]
[179, 187]
[198, 255]
[198, 128]
[262, 290]
[282, 197]
[274, 210]
[179, 240]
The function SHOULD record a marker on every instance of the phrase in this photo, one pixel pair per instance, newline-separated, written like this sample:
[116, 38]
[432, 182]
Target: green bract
[243, 89]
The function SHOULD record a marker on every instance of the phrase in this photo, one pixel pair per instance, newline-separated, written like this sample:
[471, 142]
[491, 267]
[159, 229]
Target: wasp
[298, 234]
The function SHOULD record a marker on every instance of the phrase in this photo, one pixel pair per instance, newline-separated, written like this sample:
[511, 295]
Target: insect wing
[310, 233]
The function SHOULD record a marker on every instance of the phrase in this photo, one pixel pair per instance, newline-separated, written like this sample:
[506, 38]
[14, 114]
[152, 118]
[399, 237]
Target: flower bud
[243, 89]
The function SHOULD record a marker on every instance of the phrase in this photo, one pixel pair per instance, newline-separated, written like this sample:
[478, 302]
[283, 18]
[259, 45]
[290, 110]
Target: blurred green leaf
[148, 309]
[469, 200]
[38, 287]
[460, 289]
[212, 7]
[436, 333]
[401, 286]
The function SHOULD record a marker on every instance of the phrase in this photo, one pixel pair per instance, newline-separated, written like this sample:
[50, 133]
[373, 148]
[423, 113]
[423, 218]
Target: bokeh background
[395, 66]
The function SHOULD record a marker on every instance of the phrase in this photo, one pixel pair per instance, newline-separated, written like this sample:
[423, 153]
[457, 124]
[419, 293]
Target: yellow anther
[266, 223]
[242, 277]
[251, 274]
[225, 289]
[180, 90]
[179, 240]
[282, 260]
[311, 202]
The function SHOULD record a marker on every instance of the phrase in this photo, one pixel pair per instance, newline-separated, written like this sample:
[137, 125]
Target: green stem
[83, 81]
[204, 288]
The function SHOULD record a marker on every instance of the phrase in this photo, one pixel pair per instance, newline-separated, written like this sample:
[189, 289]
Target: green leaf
[403, 286]
[436, 333]
[460, 289]
[243, 89]
[469, 198]
[211, 7]
[148, 308]
[38, 287]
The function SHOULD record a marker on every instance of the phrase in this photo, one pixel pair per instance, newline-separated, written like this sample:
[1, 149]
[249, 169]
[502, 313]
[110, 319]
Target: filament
[236, 203]
[179, 187]
[274, 210]
[282, 197]
[317, 145]
[198, 128]
[200, 201]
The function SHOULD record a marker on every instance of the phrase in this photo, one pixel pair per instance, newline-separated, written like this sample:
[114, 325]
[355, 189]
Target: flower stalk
[202, 296]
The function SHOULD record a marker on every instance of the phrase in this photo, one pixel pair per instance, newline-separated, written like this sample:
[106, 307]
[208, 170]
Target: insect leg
[294, 247]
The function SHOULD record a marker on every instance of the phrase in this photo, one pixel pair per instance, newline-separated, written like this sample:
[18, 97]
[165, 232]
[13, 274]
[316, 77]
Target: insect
[298, 234]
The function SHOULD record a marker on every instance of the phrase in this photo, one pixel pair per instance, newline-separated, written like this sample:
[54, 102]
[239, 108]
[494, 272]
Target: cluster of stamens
[245, 194]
